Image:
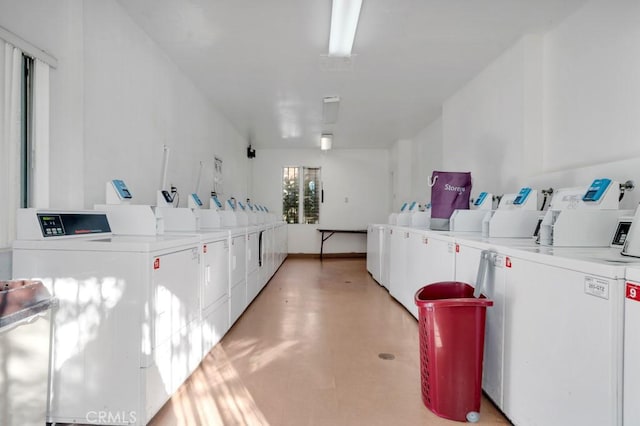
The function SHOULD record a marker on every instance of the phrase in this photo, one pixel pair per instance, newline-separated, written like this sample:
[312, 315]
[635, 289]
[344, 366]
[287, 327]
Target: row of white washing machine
[560, 345]
[136, 313]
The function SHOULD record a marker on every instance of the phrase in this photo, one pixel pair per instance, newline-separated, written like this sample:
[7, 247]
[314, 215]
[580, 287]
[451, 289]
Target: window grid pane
[290, 195]
[311, 209]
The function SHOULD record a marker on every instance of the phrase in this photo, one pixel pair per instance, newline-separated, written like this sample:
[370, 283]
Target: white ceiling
[264, 64]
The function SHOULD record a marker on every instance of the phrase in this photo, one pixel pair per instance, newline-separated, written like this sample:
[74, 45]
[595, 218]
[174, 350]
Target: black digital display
[64, 224]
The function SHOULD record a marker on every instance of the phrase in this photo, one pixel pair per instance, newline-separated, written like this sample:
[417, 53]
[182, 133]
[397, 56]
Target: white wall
[426, 156]
[400, 165]
[592, 98]
[136, 100]
[5, 264]
[355, 186]
[558, 109]
[56, 27]
[492, 126]
[116, 99]
[593, 86]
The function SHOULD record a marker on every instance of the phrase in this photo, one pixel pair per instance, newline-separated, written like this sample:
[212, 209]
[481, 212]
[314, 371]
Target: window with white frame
[301, 188]
[26, 143]
[24, 135]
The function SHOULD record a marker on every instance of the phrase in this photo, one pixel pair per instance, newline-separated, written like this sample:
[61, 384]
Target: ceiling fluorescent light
[344, 20]
[325, 142]
[330, 106]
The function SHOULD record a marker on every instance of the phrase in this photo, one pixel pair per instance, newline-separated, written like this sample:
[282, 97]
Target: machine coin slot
[621, 234]
[215, 200]
[522, 196]
[122, 189]
[480, 199]
[197, 199]
[596, 190]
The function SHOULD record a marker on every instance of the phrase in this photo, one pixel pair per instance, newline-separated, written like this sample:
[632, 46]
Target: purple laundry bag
[449, 191]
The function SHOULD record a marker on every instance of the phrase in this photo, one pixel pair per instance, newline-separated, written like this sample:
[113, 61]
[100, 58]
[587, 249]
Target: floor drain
[347, 282]
[386, 356]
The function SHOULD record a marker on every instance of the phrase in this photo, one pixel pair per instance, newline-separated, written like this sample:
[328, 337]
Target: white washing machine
[280, 230]
[468, 258]
[272, 246]
[214, 303]
[266, 246]
[281, 243]
[385, 257]
[562, 338]
[398, 263]
[631, 377]
[252, 247]
[213, 287]
[236, 222]
[498, 287]
[375, 238]
[214, 269]
[120, 342]
[253, 262]
[430, 258]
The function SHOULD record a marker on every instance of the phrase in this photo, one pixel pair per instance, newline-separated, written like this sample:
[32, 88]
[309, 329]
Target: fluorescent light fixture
[330, 106]
[325, 141]
[344, 20]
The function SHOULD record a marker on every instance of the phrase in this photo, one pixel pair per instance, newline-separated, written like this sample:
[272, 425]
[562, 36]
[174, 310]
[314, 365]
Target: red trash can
[451, 323]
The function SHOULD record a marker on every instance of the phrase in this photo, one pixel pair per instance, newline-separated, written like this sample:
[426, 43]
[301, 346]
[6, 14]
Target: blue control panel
[596, 190]
[232, 203]
[404, 206]
[522, 196]
[215, 200]
[196, 199]
[241, 205]
[480, 199]
[121, 189]
[413, 205]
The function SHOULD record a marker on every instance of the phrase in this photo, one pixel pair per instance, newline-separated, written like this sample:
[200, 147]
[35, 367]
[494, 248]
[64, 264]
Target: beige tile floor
[306, 353]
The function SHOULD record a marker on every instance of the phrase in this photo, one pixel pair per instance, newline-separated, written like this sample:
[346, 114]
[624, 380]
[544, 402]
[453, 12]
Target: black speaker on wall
[251, 153]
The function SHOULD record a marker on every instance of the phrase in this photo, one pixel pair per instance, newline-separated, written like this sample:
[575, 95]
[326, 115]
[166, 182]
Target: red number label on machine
[633, 292]
[204, 248]
[156, 263]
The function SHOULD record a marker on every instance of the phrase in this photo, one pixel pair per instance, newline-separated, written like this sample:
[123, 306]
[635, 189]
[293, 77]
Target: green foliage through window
[301, 189]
